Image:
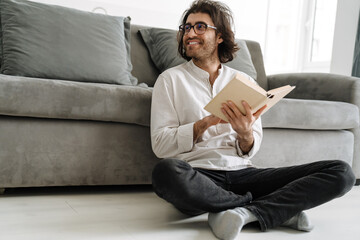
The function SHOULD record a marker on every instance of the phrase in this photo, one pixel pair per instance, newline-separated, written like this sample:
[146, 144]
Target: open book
[242, 88]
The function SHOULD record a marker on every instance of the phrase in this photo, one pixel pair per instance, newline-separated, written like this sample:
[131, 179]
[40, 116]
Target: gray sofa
[66, 133]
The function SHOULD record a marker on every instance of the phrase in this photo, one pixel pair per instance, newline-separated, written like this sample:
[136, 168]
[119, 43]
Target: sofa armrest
[324, 86]
[319, 86]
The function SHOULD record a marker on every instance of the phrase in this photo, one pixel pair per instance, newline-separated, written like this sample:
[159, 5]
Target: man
[206, 165]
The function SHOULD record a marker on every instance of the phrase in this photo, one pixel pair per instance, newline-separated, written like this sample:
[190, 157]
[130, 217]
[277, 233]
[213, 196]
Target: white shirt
[178, 101]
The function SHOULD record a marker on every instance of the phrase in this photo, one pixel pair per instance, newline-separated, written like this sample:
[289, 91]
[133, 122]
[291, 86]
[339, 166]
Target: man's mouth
[193, 42]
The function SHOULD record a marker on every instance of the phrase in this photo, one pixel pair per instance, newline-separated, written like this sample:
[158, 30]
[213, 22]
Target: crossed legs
[272, 195]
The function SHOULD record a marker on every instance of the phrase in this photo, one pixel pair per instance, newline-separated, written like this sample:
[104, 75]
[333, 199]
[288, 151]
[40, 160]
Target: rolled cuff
[185, 137]
[251, 153]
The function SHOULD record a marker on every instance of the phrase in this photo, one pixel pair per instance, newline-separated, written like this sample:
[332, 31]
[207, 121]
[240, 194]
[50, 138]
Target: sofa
[59, 131]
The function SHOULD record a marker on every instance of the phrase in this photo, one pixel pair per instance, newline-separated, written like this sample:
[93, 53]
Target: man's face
[204, 46]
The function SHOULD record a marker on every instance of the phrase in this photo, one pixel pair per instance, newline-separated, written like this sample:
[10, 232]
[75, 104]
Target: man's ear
[219, 38]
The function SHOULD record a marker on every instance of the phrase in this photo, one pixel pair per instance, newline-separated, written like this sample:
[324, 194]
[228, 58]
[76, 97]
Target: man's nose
[192, 32]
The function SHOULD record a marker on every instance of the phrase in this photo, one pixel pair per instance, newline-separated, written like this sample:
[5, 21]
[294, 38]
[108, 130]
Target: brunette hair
[221, 15]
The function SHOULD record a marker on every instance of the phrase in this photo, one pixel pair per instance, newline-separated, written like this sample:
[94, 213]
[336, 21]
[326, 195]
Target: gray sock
[299, 222]
[228, 224]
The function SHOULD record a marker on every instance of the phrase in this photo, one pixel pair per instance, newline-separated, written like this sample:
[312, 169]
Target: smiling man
[206, 165]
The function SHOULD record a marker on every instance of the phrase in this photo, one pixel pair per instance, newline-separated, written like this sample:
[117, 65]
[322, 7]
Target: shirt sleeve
[168, 137]
[257, 133]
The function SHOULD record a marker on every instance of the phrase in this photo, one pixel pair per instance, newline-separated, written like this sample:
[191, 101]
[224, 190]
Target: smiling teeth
[192, 43]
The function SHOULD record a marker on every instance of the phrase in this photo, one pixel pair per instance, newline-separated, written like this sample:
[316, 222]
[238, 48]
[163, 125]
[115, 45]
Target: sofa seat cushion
[311, 114]
[44, 98]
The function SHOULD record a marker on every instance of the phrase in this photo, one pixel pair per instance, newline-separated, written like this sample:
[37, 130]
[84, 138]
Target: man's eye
[187, 27]
[200, 26]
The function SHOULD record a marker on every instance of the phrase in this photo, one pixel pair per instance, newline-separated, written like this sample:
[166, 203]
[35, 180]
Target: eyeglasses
[199, 28]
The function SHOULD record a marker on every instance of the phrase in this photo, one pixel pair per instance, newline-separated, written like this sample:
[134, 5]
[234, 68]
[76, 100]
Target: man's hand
[203, 124]
[242, 124]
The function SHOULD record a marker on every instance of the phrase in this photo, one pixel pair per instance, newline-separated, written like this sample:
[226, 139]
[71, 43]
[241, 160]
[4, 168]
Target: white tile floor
[137, 213]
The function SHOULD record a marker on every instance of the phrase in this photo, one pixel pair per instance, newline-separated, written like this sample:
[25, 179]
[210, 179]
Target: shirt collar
[200, 73]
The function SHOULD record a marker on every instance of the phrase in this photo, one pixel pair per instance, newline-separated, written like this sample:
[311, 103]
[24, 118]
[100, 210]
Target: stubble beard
[207, 51]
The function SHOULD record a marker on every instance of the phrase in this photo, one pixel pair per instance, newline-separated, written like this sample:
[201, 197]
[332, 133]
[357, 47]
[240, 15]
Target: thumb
[259, 112]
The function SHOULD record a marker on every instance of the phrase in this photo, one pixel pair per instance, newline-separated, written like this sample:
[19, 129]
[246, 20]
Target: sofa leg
[2, 191]
[357, 183]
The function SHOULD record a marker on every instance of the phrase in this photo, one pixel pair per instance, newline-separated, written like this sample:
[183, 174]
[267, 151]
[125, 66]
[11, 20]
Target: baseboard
[357, 183]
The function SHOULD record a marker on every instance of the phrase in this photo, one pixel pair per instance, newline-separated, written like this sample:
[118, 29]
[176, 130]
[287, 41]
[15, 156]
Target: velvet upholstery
[325, 86]
[312, 114]
[35, 97]
[54, 152]
[49, 41]
[285, 147]
[60, 133]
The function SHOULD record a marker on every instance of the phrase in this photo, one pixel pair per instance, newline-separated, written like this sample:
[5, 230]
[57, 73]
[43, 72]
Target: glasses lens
[200, 28]
[187, 28]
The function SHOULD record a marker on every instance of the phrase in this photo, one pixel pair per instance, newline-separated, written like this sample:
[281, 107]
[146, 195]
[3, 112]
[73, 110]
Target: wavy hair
[221, 15]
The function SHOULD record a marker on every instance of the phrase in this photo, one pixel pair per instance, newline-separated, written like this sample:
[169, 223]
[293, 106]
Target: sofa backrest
[143, 67]
[146, 72]
[257, 59]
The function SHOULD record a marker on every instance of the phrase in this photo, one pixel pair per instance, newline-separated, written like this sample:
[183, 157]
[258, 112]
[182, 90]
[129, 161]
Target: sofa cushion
[162, 45]
[0, 42]
[35, 97]
[311, 114]
[144, 68]
[48, 41]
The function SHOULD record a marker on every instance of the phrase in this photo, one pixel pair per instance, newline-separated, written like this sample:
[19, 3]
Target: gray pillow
[162, 45]
[48, 41]
[0, 43]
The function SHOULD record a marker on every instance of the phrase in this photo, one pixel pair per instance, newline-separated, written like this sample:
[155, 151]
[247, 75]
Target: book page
[276, 95]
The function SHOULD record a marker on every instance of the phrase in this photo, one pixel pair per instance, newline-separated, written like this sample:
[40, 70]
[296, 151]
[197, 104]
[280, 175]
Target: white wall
[346, 25]
[159, 13]
[249, 15]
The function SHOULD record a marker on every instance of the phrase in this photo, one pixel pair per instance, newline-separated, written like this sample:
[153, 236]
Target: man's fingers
[228, 112]
[247, 108]
[258, 112]
[235, 109]
[231, 111]
[213, 120]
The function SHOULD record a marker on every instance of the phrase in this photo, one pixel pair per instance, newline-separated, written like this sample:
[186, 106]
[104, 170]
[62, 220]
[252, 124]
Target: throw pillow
[162, 45]
[0, 43]
[48, 41]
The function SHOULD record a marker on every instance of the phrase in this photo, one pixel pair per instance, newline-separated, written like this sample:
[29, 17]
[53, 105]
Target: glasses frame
[182, 27]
